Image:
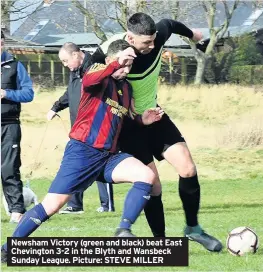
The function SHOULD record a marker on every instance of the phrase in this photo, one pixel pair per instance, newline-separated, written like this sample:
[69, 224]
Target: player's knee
[146, 175]
[53, 202]
[156, 181]
[156, 189]
[189, 170]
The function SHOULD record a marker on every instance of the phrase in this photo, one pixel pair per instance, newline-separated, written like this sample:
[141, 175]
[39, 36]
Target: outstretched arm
[167, 27]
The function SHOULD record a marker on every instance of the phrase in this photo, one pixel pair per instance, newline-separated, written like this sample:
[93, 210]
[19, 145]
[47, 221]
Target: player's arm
[105, 45]
[167, 27]
[149, 116]
[98, 56]
[98, 72]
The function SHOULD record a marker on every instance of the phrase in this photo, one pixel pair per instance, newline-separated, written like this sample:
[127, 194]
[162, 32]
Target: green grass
[226, 204]
[235, 163]
[231, 179]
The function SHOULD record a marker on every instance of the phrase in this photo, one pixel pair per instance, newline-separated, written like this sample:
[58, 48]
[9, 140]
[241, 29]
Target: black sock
[155, 215]
[189, 191]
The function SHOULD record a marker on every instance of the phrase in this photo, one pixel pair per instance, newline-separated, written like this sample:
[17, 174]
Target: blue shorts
[82, 165]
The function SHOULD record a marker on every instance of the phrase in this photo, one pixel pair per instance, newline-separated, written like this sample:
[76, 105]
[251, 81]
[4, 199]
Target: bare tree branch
[229, 15]
[216, 33]
[210, 10]
[9, 8]
[90, 15]
[175, 9]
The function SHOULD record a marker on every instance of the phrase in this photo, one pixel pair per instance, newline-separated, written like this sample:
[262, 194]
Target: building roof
[80, 39]
[19, 46]
[59, 22]
[60, 17]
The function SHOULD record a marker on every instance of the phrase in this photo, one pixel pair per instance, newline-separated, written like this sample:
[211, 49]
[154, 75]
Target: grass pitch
[226, 204]
[224, 130]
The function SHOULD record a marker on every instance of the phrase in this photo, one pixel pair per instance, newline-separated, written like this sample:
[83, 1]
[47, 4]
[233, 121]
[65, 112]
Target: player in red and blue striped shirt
[102, 107]
[91, 153]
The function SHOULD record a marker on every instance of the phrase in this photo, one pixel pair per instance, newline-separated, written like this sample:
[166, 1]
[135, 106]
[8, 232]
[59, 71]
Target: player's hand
[198, 35]
[126, 57]
[3, 93]
[152, 115]
[132, 111]
[50, 115]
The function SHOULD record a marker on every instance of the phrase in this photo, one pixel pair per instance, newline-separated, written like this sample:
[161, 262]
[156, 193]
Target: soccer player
[161, 140]
[91, 152]
[78, 61]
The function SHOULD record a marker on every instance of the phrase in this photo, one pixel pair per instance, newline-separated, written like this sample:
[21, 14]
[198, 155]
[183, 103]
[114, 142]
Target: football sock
[135, 201]
[189, 191]
[30, 221]
[155, 215]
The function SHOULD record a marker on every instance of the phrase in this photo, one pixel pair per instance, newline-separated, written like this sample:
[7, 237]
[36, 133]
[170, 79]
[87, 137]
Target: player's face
[122, 72]
[71, 61]
[143, 43]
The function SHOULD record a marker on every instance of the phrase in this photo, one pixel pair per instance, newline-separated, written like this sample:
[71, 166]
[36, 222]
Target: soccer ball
[29, 198]
[242, 240]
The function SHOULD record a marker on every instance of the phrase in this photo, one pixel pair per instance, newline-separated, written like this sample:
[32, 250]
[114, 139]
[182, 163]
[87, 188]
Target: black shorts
[148, 142]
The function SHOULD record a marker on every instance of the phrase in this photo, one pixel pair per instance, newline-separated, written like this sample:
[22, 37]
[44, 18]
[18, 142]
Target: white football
[29, 198]
[242, 240]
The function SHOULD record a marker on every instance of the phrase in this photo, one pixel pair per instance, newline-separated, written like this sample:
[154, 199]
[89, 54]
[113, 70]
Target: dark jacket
[71, 97]
[18, 86]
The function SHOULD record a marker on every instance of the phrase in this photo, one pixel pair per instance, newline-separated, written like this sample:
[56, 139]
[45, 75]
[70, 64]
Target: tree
[216, 33]
[99, 14]
[120, 10]
[246, 52]
[113, 10]
[16, 10]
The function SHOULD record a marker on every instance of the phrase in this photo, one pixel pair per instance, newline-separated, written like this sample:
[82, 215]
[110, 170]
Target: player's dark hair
[141, 24]
[70, 47]
[117, 46]
[2, 35]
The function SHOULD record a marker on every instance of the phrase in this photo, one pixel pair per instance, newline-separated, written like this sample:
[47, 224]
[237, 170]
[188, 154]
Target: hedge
[246, 74]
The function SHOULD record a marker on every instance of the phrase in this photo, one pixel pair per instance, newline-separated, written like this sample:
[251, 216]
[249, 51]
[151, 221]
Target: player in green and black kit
[161, 140]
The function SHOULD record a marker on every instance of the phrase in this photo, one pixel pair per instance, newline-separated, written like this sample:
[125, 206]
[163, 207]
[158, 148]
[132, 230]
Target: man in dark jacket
[78, 62]
[16, 88]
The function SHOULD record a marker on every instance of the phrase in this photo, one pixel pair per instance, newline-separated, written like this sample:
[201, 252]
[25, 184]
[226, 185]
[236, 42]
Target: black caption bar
[100, 251]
